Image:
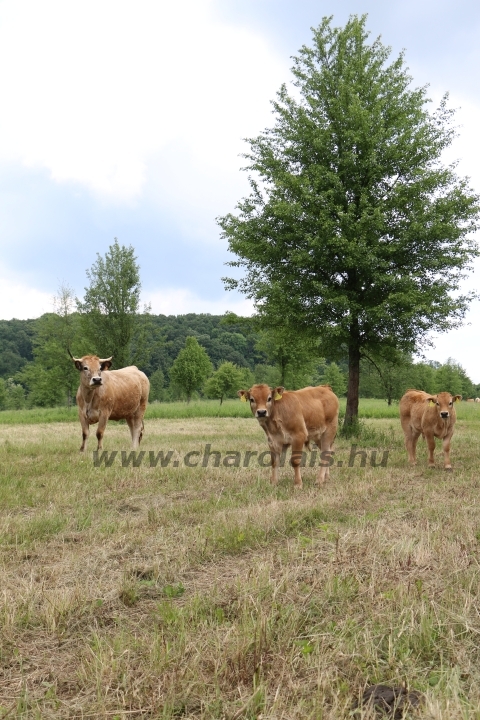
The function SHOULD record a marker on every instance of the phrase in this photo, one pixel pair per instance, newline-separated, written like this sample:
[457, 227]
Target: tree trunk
[351, 413]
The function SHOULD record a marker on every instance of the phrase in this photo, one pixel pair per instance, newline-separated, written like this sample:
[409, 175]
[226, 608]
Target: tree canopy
[354, 232]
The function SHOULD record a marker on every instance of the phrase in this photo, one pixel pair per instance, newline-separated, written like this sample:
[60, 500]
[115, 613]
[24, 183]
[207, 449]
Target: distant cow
[477, 400]
[110, 395]
[470, 400]
[431, 416]
[294, 418]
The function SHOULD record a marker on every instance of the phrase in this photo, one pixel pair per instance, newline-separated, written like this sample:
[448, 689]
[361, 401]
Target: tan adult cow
[293, 418]
[110, 395]
[477, 400]
[470, 400]
[431, 416]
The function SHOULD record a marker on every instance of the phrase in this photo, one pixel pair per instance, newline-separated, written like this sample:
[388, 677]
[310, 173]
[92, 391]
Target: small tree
[191, 368]
[422, 377]
[14, 395]
[393, 373]
[452, 377]
[157, 380]
[354, 232]
[224, 382]
[336, 379]
[111, 306]
[51, 378]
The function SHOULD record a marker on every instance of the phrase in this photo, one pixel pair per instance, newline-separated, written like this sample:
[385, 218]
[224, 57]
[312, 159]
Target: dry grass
[206, 593]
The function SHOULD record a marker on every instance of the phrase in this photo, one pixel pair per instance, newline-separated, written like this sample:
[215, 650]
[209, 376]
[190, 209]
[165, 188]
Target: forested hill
[16, 345]
[165, 338]
[31, 359]
[222, 342]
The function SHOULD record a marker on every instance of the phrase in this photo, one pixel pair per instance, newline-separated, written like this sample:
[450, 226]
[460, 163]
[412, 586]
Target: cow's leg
[411, 439]
[446, 452]
[430, 438]
[274, 461]
[296, 460]
[325, 443]
[85, 432]
[102, 424]
[136, 430]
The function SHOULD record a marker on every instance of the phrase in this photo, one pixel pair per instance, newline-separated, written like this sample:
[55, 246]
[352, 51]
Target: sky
[127, 119]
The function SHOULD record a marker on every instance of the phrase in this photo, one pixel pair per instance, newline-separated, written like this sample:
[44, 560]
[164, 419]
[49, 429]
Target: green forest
[36, 371]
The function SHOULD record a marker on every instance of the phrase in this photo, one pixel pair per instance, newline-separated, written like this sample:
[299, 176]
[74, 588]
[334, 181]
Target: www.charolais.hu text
[233, 458]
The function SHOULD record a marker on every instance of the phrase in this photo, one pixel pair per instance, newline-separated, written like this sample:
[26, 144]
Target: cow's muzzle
[261, 413]
[444, 415]
[96, 381]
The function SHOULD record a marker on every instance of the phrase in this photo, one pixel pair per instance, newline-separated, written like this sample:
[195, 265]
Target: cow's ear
[278, 392]
[243, 395]
[456, 398]
[78, 364]
[431, 399]
[106, 363]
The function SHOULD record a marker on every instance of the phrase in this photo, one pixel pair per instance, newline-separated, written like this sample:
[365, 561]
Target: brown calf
[293, 418]
[431, 416]
[110, 395]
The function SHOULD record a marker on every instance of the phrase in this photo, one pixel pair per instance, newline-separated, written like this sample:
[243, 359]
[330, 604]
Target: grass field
[203, 592]
[206, 408]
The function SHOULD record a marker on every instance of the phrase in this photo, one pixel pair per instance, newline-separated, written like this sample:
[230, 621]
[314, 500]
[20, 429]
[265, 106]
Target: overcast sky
[126, 119]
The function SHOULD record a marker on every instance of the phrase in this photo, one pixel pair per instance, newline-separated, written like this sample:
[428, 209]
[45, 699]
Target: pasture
[204, 592]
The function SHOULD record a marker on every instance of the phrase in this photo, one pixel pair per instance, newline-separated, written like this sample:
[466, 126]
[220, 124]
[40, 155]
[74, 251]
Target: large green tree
[110, 309]
[355, 232]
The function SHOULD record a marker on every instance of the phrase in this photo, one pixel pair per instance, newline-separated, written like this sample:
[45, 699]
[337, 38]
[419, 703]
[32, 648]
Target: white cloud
[94, 90]
[465, 147]
[461, 345]
[22, 301]
[179, 301]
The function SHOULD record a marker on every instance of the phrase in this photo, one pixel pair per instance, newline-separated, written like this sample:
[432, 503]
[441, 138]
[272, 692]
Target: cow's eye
[269, 398]
[85, 368]
[438, 404]
[252, 400]
[450, 403]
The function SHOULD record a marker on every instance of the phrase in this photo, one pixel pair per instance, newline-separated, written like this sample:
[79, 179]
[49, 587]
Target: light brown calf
[431, 416]
[110, 395]
[293, 418]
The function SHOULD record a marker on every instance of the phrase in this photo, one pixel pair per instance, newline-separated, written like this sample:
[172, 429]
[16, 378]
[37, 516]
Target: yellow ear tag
[457, 399]
[277, 396]
[430, 402]
[243, 398]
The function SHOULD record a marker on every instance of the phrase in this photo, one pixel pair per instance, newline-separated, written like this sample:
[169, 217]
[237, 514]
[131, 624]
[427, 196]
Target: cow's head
[261, 399]
[91, 368]
[443, 403]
